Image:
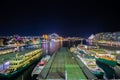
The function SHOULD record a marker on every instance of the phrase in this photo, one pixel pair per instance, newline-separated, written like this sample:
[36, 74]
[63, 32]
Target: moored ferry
[88, 58]
[20, 63]
[104, 57]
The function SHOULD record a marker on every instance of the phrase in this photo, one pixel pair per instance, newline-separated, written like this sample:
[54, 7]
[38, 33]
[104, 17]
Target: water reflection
[50, 47]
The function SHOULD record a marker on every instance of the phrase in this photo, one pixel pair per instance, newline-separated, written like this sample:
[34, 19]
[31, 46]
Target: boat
[88, 58]
[2, 52]
[111, 63]
[91, 65]
[104, 57]
[20, 63]
[40, 65]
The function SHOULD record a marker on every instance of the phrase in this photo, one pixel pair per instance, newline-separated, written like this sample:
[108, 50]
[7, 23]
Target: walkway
[63, 66]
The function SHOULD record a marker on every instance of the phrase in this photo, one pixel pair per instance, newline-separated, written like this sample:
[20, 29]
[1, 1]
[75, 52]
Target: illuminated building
[54, 36]
[108, 36]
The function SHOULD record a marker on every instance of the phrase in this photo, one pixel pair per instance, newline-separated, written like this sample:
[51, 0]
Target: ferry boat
[104, 57]
[88, 58]
[20, 63]
[111, 63]
[92, 66]
[41, 64]
[2, 52]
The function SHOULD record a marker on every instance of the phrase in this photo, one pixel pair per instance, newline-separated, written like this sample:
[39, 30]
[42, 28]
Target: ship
[92, 66]
[6, 51]
[40, 65]
[20, 63]
[103, 56]
[109, 62]
[88, 58]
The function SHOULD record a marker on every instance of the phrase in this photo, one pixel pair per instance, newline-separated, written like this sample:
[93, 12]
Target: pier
[64, 66]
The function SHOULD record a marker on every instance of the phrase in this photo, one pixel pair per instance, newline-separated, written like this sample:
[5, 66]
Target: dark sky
[67, 18]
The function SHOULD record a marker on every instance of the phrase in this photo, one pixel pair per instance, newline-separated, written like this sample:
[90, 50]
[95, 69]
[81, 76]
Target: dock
[63, 66]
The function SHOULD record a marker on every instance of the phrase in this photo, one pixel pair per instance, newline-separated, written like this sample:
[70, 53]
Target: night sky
[67, 18]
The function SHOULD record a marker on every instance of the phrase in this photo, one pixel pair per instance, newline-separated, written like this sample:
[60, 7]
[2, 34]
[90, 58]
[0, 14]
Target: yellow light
[46, 37]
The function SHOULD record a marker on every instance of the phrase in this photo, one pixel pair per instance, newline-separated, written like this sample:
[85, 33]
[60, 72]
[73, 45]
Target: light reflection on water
[50, 47]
